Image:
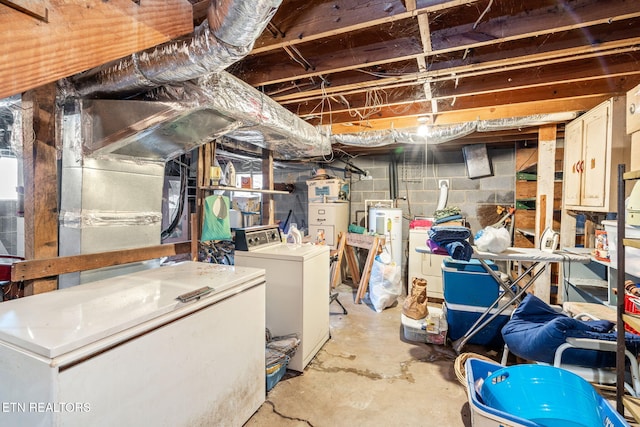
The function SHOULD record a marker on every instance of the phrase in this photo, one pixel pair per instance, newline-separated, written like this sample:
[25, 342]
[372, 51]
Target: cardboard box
[327, 190]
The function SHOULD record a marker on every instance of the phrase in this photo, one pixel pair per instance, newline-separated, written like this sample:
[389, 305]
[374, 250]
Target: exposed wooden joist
[362, 56]
[533, 23]
[82, 35]
[511, 63]
[320, 20]
[400, 102]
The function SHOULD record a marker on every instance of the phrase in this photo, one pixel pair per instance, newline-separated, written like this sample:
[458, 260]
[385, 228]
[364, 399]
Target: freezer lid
[61, 321]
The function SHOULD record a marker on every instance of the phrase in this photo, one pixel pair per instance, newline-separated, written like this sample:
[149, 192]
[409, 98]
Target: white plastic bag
[384, 284]
[492, 239]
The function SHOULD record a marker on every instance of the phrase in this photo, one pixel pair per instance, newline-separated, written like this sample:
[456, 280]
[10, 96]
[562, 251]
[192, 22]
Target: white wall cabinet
[593, 143]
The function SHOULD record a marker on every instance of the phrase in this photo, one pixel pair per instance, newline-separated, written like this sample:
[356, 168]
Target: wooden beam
[49, 267]
[268, 207]
[608, 59]
[40, 180]
[597, 87]
[319, 20]
[526, 23]
[80, 35]
[332, 61]
[513, 31]
[496, 112]
[35, 8]
[545, 194]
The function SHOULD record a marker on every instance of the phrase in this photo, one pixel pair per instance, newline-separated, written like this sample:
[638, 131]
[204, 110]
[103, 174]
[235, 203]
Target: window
[8, 178]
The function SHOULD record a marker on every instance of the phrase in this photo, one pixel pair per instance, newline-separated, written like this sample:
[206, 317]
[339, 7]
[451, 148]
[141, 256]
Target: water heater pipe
[444, 194]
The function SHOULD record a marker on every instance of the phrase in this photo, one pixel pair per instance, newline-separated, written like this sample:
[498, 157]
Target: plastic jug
[294, 237]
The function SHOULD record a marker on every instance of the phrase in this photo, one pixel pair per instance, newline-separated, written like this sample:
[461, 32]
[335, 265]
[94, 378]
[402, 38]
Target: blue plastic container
[276, 366]
[546, 395]
[468, 283]
[553, 402]
[461, 317]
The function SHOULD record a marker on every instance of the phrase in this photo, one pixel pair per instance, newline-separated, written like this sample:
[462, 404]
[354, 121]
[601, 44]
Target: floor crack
[281, 415]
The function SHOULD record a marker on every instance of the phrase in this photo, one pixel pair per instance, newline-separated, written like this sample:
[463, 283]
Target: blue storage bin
[546, 395]
[276, 367]
[468, 283]
[461, 317]
[534, 396]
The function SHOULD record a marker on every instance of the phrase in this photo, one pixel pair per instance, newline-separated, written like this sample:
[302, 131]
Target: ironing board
[534, 256]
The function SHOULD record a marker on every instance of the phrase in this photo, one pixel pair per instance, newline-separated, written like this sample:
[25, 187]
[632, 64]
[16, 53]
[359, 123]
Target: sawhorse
[347, 243]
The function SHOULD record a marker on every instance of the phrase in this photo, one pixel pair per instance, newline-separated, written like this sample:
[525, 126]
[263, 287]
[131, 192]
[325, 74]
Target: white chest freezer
[124, 351]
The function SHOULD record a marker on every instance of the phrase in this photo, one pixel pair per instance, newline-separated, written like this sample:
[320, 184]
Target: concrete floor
[367, 374]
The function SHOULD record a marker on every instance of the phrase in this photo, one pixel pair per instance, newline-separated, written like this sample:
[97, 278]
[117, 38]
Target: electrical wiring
[176, 219]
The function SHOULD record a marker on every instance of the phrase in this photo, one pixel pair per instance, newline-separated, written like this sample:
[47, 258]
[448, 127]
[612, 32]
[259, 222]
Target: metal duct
[264, 122]
[227, 35]
[194, 101]
[172, 120]
[106, 203]
[438, 134]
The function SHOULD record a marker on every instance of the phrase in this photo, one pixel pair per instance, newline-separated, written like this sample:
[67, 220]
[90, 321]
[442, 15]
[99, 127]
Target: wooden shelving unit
[526, 191]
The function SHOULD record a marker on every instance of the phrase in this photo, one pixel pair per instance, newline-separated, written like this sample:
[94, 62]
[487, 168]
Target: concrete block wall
[418, 195]
[297, 201]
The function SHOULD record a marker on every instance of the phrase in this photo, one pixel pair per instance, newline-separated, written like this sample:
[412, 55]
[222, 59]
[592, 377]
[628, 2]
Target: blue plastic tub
[534, 396]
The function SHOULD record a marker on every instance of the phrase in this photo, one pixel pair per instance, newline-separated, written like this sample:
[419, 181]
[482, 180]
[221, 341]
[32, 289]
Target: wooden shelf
[242, 190]
[594, 283]
[632, 243]
[631, 175]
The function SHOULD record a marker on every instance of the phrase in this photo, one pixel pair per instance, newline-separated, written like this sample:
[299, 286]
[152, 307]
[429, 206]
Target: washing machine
[297, 287]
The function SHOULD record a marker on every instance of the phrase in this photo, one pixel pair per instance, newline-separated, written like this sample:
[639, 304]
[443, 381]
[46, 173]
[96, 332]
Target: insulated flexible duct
[227, 35]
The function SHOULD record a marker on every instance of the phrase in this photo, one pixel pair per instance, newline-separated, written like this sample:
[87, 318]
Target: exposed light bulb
[423, 130]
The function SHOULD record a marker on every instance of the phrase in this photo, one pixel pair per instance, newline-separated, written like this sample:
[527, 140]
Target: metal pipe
[620, 338]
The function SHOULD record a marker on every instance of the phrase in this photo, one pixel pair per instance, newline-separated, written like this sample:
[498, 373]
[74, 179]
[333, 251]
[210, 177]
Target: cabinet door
[595, 156]
[572, 162]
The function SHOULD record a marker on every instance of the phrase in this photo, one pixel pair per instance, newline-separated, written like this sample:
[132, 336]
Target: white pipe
[444, 194]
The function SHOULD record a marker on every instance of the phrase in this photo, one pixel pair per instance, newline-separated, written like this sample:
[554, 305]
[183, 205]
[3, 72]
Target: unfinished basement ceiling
[366, 66]
[360, 66]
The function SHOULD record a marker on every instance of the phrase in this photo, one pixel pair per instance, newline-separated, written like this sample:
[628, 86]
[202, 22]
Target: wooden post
[40, 181]
[268, 208]
[206, 157]
[544, 199]
[195, 237]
